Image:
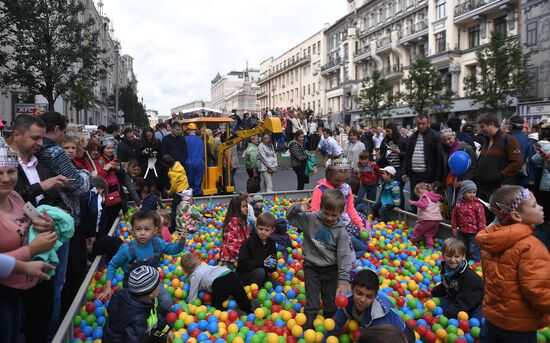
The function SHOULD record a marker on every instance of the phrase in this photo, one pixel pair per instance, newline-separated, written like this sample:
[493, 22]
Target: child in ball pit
[461, 288]
[145, 249]
[235, 230]
[369, 308]
[186, 213]
[219, 281]
[516, 269]
[327, 256]
[429, 214]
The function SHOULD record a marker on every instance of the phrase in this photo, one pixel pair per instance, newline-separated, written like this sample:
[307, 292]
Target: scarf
[449, 272]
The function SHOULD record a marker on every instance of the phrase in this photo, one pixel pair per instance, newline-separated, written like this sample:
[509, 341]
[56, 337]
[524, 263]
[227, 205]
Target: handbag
[113, 199]
[253, 185]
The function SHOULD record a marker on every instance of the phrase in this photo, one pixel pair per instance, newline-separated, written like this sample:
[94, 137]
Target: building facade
[390, 35]
[293, 79]
[225, 91]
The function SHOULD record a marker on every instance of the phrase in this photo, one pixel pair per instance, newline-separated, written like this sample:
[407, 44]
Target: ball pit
[407, 274]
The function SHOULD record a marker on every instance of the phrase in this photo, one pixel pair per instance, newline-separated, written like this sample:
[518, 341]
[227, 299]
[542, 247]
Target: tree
[82, 96]
[501, 75]
[377, 98]
[134, 112]
[52, 50]
[425, 88]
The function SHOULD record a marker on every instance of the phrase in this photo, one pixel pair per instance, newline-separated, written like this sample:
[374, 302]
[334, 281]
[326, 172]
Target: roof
[206, 120]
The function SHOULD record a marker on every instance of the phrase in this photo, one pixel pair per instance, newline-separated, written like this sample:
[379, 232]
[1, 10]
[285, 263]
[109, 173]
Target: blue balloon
[460, 162]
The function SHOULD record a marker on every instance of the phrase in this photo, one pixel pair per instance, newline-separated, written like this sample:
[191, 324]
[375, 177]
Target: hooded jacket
[462, 146]
[178, 178]
[428, 206]
[350, 213]
[127, 321]
[516, 272]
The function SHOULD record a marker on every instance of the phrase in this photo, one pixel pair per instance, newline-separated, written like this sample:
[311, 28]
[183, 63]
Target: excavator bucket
[273, 124]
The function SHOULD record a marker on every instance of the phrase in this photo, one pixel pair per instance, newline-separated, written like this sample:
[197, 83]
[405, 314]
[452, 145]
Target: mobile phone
[71, 180]
[31, 211]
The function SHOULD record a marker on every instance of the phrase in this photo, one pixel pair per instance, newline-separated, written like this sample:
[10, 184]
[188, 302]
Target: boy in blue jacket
[145, 249]
[368, 308]
[390, 195]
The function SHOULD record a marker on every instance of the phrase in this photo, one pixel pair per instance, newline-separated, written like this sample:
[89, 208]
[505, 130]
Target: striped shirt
[418, 159]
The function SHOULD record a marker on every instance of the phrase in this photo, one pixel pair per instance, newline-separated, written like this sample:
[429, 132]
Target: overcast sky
[179, 45]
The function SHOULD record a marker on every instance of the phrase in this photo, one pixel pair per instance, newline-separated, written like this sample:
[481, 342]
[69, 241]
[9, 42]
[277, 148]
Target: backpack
[154, 261]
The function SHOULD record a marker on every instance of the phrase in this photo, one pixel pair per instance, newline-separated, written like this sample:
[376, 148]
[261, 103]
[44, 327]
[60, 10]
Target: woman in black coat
[149, 155]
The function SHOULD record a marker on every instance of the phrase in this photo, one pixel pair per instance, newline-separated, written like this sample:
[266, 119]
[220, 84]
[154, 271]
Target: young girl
[235, 230]
[186, 213]
[429, 214]
[468, 218]
[516, 269]
[165, 231]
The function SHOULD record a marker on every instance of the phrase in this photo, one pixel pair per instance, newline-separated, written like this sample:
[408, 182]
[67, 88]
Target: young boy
[218, 280]
[257, 255]
[461, 288]
[133, 311]
[178, 183]
[326, 250]
[145, 249]
[281, 237]
[369, 173]
[468, 218]
[369, 308]
[390, 196]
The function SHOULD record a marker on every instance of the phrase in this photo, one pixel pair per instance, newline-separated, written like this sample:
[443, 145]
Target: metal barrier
[65, 331]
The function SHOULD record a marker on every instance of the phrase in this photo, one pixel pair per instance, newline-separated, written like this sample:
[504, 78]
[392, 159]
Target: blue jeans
[59, 282]
[359, 246]
[469, 240]
[491, 333]
[11, 311]
[370, 192]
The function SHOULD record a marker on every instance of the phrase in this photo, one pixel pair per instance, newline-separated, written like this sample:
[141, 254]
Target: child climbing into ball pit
[186, 213]
[145, 249]
[133, 315]
[429, 214]
[257, 255]
[390, 194]
[468, 218]
[516, 269]
[368, 308]
[178, 183]
[235, 230]
[164, 231]
[327, 256]
[461, 288]
[219, 281]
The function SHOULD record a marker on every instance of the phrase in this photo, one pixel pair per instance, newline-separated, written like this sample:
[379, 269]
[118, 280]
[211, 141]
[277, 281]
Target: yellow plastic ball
[329, 324]
[300, 319]
[297, 331]
[309, 336]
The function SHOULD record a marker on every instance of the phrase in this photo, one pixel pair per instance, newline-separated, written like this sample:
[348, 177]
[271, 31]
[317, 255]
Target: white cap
[390, 170]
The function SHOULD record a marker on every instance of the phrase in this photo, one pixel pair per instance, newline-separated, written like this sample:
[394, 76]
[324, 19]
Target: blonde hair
[189, 263]
[423, 185]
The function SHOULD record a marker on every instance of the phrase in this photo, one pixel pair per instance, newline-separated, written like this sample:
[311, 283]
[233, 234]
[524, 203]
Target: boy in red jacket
[369, 174]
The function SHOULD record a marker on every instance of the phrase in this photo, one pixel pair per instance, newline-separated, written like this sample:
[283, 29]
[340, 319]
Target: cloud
[179, 46]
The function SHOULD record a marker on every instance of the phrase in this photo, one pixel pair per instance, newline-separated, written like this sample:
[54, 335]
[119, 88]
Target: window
[304, 93]
[314, 49]
[439, 9]
[500, 25]
[308, 89]
[473, 36]
[318, 47]
[440, 42]
[314, 88]
[531, 36]
[309, 51]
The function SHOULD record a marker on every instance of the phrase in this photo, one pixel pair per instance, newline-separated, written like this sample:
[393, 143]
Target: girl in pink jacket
[429, 214]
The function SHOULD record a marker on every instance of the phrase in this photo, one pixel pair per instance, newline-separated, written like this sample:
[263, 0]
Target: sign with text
[36, 109]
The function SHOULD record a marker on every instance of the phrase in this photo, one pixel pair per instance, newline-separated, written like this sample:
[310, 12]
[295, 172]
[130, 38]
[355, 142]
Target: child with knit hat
[132, 311]
[468, 218]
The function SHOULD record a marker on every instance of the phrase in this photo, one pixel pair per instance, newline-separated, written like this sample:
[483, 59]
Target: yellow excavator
[215, 181]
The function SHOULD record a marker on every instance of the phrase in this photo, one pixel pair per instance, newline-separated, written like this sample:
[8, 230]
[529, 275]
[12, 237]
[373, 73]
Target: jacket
[400, 142]
[252, 156]
[353, 150]
[146, 150]
[390, 194]
[432, 155]
[178, 179]
[499, 163]
[323, 245]
[127, 150]
[516, 272]
[469, 175]
[527, 151]
[89, 214]
[464, 290]
[127, 321]
[253, 253]
[268, 157]
[202, 278]
[369, 173]
[543, 166]
[195, 149]
[380, 312]
[468, 216]
[29, 192]
[298, 156]
[428, 206]
[350, 213]
[234, 234]
[175, 146]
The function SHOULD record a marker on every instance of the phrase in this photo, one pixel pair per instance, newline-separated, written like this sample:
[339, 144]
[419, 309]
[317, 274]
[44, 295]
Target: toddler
[390, 194]
[186, 213]
[235, 230]
[516, 269]
[178, 183]
[468, 218]
[369, 174]
[165, 223]
[429, 214]
[281, 238]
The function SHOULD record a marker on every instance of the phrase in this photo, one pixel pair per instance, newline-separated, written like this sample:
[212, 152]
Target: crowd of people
[79, 183]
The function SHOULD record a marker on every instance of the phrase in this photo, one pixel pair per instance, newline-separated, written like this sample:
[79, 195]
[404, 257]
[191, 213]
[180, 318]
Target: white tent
[200, 109]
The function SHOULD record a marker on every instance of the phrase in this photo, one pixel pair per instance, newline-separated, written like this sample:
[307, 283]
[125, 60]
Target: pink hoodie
[428, 206]
[349, 211]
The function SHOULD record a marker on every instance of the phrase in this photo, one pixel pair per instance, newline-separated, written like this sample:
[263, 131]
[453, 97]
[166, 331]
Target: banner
[36, 109]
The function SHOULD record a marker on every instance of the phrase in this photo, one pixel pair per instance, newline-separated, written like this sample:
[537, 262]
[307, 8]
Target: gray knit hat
[467, 185]
[143, 280]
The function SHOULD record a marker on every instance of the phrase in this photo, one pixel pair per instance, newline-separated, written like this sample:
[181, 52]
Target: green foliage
[501, 75]
[53, 53]
[376, 99]
[425, 89]
[134, 112]
[82, 95]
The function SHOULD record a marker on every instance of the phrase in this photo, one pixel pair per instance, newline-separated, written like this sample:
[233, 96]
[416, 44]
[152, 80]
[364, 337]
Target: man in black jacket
[175, 145]
[423, 158]
[127, 149]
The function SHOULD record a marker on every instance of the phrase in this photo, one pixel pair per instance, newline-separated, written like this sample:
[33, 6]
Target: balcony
[415, 31]
[296, 63]
[262, 94]
[332, 66]
[362, 54]
[392, 72]
[468, 9]
[383, 43]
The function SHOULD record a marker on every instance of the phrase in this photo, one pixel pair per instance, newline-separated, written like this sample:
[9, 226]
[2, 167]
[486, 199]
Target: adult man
[100, 132]
[527, 150]
[454, 123]
[127, 149]
[114, 130]
[162, 131]
[422, 162]
[329, 145]
[377, 137]
[174, 144]
[500, 158]
[194, 164]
